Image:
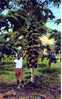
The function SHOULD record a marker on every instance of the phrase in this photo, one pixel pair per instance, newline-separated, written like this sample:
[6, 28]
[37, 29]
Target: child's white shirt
[19, 62]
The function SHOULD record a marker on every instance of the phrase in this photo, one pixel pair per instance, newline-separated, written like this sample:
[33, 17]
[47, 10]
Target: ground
[46, 85]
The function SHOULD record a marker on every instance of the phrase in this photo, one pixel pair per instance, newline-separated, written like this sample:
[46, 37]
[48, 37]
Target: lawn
[7, 71]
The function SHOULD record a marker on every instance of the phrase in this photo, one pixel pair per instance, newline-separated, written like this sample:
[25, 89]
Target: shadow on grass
[4, 72]
[51, 70]
[27, 77]
[45, 69]
[42, 65]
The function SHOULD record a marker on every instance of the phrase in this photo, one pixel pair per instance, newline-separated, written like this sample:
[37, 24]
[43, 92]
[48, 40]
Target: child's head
[19, 53]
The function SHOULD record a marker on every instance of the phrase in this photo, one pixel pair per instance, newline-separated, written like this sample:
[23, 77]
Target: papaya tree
[24, 18]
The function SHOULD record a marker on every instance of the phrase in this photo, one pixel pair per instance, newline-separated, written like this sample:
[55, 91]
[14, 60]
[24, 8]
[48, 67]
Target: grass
[7, 71]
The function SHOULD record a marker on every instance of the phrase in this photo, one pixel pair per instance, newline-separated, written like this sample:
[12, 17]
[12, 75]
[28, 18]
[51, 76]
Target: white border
[61, 46]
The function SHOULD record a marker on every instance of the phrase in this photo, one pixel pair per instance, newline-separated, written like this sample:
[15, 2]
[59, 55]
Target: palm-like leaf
[33, 17]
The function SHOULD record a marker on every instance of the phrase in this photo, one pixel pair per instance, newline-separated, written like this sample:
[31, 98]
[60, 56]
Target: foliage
[19, 17]
[58, 21]
[57, 36]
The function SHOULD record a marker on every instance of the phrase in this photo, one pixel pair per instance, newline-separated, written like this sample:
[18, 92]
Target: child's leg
[17, 76]
[21, 75]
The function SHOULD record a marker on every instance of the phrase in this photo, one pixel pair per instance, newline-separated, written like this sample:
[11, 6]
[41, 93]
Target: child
[19, 69]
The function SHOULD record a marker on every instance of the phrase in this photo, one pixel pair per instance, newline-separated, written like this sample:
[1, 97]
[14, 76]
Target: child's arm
[24, 54]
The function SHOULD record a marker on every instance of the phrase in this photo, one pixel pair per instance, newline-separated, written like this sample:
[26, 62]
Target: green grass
[9, 74]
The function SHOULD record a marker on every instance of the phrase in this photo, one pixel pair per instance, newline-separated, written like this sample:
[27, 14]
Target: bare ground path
[43, 88]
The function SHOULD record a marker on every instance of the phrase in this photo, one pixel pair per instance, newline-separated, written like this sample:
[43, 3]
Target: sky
[56, 12]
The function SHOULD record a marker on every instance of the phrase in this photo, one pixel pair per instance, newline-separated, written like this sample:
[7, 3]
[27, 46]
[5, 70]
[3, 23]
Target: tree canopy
[19, 17]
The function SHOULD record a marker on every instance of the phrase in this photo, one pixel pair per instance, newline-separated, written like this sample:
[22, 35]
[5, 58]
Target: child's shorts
[18, 72]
